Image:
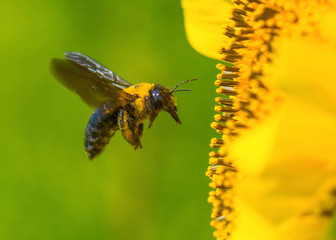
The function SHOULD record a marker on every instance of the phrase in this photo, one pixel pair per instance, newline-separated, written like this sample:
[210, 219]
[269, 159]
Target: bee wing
[93, 82]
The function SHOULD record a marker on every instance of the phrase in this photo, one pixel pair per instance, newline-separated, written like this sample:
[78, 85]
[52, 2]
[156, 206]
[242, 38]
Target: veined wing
[93, 82]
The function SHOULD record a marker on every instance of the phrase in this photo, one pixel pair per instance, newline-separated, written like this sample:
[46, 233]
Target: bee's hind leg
[130, 129]
[137, 134]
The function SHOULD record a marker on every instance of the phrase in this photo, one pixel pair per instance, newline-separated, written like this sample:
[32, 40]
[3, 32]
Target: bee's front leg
[152, 117]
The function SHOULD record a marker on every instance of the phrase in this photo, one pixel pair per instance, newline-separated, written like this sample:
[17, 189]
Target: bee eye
[156, 98]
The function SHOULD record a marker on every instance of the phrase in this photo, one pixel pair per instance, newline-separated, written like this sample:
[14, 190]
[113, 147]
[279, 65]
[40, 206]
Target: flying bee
[118, 104]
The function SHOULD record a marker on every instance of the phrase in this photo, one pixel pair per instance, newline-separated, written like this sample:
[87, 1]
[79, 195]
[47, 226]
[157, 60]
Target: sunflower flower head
[249, 97]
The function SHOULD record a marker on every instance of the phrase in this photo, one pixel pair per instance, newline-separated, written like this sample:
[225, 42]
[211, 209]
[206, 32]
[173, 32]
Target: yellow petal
[327, 26]
[251, 225]
[258, 144]
[203, 21]
[305, 69]
[296, 183]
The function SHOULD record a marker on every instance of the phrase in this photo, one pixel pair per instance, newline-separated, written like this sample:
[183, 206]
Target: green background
[49, 189]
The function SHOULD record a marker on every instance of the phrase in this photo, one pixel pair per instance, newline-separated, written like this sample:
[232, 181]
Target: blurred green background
[49, 189]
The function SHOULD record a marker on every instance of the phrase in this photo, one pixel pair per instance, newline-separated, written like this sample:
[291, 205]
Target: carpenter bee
[118, 104]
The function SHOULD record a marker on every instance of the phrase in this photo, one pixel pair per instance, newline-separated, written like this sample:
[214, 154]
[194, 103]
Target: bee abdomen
[100, 128]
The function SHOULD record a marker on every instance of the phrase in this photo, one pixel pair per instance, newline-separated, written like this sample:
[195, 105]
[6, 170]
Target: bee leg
[121, 119]
[130, 110]
[152, 118]
[137, 135]
[130, 129]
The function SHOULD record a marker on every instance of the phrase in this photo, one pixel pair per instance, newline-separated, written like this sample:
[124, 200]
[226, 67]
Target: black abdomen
[102, 125]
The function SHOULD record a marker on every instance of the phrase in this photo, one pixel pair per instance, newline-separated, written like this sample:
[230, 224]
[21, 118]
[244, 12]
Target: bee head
[163, 98]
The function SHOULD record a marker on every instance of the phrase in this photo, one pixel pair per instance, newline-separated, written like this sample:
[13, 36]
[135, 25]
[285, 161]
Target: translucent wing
[93, 82]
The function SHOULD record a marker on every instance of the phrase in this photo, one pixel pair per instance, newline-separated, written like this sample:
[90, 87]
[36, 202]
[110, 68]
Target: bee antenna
[190, 80]
[182, 90]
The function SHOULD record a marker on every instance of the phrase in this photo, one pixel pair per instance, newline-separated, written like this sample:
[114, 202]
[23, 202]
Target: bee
[118, 104]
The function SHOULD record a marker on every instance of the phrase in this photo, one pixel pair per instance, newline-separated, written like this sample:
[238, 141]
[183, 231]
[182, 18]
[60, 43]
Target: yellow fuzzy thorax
[140, 92]
[141, 89]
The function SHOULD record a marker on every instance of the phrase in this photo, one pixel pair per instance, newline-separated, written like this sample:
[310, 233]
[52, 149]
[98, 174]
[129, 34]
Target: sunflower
[273, 171]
